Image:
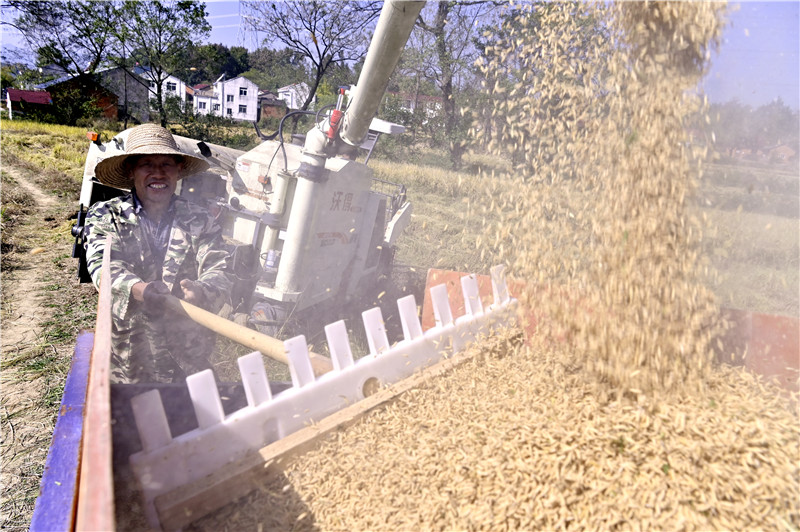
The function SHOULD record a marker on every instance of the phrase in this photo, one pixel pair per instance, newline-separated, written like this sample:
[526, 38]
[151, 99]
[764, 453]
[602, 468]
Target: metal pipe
[393, 29]
[303, 216]
[276, 208]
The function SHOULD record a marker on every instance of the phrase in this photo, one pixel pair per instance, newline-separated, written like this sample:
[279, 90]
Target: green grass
[446, 220]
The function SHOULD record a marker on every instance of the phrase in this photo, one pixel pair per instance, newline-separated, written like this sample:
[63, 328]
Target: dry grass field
[753, 239]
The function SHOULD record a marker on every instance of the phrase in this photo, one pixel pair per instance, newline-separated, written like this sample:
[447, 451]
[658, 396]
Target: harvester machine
[309, 225]
[309, 228]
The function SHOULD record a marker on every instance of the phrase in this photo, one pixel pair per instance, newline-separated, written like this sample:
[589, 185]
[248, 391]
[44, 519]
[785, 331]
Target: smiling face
[155, 178]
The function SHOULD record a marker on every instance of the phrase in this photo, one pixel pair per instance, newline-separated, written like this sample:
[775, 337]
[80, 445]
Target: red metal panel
[765, 344]
[453, 282]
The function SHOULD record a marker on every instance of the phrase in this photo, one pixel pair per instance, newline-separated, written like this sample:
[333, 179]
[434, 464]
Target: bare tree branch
[451, 25]
[322, 32]
[74, 35]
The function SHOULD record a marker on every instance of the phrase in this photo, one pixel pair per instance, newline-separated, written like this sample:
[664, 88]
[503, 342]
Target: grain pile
[613, 417]
[517, 440]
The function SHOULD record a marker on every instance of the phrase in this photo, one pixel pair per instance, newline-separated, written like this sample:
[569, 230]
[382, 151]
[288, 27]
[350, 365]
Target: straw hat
[147, 139]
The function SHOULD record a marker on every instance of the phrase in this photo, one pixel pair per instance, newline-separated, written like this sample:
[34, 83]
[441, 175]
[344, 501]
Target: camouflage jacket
[170, 347]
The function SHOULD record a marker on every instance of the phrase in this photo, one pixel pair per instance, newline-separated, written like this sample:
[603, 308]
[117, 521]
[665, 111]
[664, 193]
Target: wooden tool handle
[269, 346]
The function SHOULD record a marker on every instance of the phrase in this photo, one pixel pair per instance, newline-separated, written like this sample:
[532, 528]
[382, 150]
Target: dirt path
[28, 392]
[23, 286]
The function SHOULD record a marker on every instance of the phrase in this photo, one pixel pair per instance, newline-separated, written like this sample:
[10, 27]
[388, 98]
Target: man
[161, 244]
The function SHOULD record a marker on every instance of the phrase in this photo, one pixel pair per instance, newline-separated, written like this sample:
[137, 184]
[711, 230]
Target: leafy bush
[216, 130]
[394, 147]
[269, 124]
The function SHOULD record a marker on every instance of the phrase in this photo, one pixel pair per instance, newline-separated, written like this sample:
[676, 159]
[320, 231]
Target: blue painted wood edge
[58, 491]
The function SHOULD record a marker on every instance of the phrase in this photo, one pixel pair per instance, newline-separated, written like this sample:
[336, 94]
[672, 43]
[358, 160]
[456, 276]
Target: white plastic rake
[169, 462]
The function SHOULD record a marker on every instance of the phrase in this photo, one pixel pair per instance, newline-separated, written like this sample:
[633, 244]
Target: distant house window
[216, 107]
[242, 91]
[152, 84]
[242, 109]
[229, 98]
[230, 112]
[172, 86]
[201, 105]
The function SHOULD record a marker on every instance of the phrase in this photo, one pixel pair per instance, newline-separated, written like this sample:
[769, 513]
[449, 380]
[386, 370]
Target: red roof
[41, 97]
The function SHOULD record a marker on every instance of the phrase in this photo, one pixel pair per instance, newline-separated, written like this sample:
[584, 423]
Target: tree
[326, 94]
[775, 123]
[730, 126]
[73, 35]
[736, 126]
[494, 40]
[6, 77]
[20, 76]
[74, 100]
[525, 105]
[413, 76]
[238, 61]
[159, 34]
[324, 33]
[451, 24]
[205, 63]
[340, 75]
[272, 69]
[80, 36]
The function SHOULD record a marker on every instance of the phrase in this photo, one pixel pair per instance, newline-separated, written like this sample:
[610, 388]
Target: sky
[223, 15]
[758, 60]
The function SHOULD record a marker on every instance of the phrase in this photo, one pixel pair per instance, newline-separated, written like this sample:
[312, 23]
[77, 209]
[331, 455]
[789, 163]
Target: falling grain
[613, 415]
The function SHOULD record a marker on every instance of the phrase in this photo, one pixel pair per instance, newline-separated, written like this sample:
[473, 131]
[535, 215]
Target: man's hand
[154, 297]
[193, 292]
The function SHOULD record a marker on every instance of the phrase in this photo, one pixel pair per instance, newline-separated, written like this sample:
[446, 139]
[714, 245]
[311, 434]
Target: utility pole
[125, 83]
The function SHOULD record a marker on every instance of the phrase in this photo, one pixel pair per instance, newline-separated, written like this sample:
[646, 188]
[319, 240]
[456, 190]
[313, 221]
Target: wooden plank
[96, 486]
[267, 345]
[58, 496]
[190, 502]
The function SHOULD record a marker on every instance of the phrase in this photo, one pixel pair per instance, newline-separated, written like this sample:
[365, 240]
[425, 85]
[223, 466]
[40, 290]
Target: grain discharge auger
[310, 228]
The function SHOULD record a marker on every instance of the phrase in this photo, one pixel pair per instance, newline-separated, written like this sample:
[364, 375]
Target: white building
[235, 98]
[170, 87]
[204, 101]
[294, 95]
